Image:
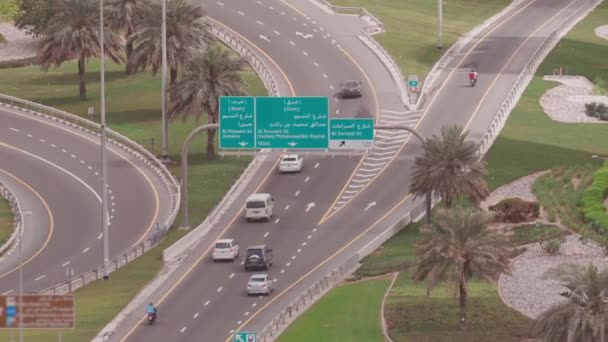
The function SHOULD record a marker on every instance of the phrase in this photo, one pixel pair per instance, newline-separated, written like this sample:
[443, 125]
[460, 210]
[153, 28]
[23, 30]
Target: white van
[259, 207]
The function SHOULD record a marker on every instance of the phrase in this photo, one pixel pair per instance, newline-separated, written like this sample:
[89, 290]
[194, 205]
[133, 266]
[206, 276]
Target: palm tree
[123, 15]
[584, 316]
[451, 167]
[457, 247]
[73, 33]
[210, 74]
[186, 33]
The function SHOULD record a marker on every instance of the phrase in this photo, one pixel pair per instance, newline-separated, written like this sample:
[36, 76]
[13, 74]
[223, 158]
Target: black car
[350, 89]
[258, 257]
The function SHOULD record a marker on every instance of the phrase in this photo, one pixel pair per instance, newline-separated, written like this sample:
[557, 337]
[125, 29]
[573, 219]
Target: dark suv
[258, 257]
[350, 89]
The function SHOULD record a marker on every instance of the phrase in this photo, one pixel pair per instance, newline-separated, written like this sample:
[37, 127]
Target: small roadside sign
[351, 134]
[413, 83]
[243, 336]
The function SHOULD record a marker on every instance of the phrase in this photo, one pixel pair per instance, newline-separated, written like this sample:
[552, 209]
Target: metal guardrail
[245, 51]
[126, 145]
[17, 217]
[528, 73]
[271, 331]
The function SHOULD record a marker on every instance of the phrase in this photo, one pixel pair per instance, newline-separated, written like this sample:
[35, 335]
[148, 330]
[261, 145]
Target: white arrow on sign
[369, 205]
[305, 36]
[309, 206]
[263, 37]
[292, 143]
[243, 143]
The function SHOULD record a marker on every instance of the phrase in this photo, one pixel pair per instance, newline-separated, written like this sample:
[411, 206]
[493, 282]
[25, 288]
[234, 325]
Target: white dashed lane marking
[292, 43]
[266, 234]
[316, 165]
[231, 275]
[324, 75]
[183, 329]
[220, 3]
[219, 289]
[305, 53]
[195, 315]
[42, 140]
[85, 250]
[317, 65]
[287, 207]
[29, 135]
[7, 292]
[307, 179]
[259, 22]
[53, 145]
[241, 13]
[14, 130]
[41, 277]
[247, 313]
[277, 33]
[206, 303]
[66, 263]
[277, 220]
[297, 193]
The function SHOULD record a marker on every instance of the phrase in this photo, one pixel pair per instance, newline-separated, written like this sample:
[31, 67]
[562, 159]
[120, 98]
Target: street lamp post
[184, 170]
[428, 198]
[439, 24]
[163, 29]
[104, 168]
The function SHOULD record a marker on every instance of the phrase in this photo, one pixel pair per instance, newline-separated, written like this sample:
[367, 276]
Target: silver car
[260, 284]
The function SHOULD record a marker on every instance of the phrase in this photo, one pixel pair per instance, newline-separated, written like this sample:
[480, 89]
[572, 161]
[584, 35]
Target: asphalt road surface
[55, 172]
[209, 302]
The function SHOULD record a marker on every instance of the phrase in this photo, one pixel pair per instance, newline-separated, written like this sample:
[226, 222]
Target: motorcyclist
[473, 75]
[151, 310]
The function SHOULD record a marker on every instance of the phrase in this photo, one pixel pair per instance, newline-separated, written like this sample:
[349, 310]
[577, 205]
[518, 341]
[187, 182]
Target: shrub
[595, 213]
[590, 109]
[18, 63]
[601, 109]
[603, 116]
[515, 210]
[552, 246]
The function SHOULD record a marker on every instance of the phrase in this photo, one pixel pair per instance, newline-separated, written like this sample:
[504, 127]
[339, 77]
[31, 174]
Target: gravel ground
[19, 44]
[527, 292]
[566, 102]
[521, 188]
[602, 31]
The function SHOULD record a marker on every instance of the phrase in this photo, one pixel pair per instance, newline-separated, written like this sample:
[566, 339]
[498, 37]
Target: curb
[14, 240]
[387, 337]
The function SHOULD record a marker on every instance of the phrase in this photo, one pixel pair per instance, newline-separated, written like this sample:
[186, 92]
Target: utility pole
[439, 24]
[163, 29]
[104, 166]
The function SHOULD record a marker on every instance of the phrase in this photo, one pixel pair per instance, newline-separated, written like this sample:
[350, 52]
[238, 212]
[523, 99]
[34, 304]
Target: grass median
[133, 109]
[411, 27]
[530, 142]
[6, 221]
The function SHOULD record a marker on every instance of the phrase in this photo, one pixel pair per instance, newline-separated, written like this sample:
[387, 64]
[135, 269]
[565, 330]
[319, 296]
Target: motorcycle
[151, 318]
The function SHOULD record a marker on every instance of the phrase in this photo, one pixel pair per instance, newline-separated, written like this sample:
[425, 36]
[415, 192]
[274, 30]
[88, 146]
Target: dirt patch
[575, 183]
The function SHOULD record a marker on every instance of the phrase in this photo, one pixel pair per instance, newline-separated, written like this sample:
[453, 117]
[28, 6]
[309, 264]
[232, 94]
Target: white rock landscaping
[602, 31]
[566, 102]
[18, 46]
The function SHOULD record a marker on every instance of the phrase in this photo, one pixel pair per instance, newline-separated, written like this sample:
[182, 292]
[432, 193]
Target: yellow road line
[433, 99]
[96, 142]
[51, 220]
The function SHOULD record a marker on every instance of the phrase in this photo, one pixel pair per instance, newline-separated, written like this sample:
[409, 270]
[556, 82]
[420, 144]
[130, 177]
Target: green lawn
[411, 27]
[6, 221]
[133, 108]
[9, 9]
[412, 316]
[355, 315]
[98, 302]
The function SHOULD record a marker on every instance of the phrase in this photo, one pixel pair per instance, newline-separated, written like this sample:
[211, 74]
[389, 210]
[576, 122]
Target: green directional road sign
[292, 122]
[237, 122]
[351, 134]
[244, 337]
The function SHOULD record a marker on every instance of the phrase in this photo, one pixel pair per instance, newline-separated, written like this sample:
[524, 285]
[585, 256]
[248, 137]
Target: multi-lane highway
[208, 302]
[55, 171]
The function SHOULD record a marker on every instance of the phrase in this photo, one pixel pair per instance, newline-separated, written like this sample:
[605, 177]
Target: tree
[186, 33]
[210, 74]
[451, 167]
[457, 247]
[123, 15]
[583, 317]
[35, 16]
[73, 33]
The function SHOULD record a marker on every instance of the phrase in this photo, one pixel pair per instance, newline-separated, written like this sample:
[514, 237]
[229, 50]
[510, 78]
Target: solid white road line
[393, 111]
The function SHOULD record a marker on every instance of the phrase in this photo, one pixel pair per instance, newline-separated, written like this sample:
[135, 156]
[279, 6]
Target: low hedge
[18, 63]
[593, 201]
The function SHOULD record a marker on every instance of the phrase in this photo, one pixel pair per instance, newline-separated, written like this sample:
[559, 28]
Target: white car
[260, 283]
[291, 163]
[225, 249]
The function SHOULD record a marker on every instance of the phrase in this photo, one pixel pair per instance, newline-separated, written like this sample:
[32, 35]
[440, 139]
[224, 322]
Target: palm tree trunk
[129, 50]
[428, 207]
[173, 77]
[82, 84]
[463, 301]
[211, 139]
